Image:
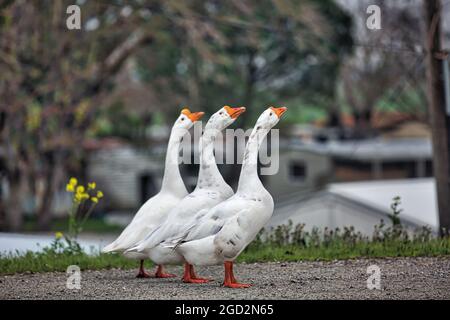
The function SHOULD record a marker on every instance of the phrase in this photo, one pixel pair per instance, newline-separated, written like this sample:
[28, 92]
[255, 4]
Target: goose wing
[146, 220]
[210, 223]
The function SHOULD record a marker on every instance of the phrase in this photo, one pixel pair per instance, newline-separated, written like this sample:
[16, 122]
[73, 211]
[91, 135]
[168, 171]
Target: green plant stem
[81, 224]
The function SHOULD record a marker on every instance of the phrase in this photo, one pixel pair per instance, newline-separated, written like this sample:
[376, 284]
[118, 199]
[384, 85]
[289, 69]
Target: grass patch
[284, 243]
[342, 250]
[48, 261]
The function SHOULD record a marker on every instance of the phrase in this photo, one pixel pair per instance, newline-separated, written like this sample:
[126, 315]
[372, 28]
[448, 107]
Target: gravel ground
[401, 278]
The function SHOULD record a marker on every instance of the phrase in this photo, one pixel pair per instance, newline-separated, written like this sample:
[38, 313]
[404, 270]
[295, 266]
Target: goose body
[175, 226]
[227, 228]
[222, 233]
[154, 211]
[211, 189]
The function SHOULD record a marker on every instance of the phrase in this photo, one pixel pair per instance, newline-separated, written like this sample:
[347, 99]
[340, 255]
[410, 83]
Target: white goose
[222, 233]
[211, 189]
[154, 211]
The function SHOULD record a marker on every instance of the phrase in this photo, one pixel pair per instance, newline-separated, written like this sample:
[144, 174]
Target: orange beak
[193, 116]
[234, 112]
[279, 111]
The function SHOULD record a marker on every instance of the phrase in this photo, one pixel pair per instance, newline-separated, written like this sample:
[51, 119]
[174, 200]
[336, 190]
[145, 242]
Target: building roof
[362, 205]
[418, 197]
[373, 149]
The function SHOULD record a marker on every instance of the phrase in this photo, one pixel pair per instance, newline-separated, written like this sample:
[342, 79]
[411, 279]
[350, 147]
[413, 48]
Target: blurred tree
[387, 63]
[54, 82]
[51, 82]
[251, 53]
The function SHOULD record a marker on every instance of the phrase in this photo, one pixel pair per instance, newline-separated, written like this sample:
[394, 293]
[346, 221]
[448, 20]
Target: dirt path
[401, 278]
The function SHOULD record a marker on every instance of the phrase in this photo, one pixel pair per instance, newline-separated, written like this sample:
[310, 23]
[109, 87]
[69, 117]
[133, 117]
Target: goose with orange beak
[211, 189]
[226, 229]
[155, 210]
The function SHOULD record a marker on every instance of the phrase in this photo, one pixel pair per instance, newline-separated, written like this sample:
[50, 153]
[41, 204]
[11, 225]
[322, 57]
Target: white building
[362, 205]
[311, 166]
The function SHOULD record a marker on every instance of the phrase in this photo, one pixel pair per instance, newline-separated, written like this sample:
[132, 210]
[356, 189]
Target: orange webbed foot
[143, 274]
[165, 275]
[236, 285]
[195, 280]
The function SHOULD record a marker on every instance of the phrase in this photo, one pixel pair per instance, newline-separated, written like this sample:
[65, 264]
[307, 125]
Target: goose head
[224, 117]
[184, 122]
[186, 119]
[269, 118]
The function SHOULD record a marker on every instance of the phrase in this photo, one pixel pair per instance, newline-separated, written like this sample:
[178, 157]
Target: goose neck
[249, 179]
[209, 175]
[172, 180]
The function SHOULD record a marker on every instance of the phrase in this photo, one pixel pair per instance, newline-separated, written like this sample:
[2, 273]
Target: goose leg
[161, 274]
[230, 281]
[194, 276]
[189, 275]
[142, 273]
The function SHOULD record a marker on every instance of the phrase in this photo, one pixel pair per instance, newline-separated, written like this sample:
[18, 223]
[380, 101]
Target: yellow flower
[99, 194]
[70, 188]
[73, 181]
[80, 196]
[58, 235]
[94, 199]
[80, 189]
[91, 185]
[77, 197]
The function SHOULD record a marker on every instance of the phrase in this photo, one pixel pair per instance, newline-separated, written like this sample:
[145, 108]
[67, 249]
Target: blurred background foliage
[136, 63]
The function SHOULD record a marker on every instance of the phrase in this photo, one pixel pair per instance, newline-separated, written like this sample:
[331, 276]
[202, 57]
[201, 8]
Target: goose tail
[110, 248]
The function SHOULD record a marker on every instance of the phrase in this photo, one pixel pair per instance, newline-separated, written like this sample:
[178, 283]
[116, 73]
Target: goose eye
[270, 114]
[182, 119]
[221, 113]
